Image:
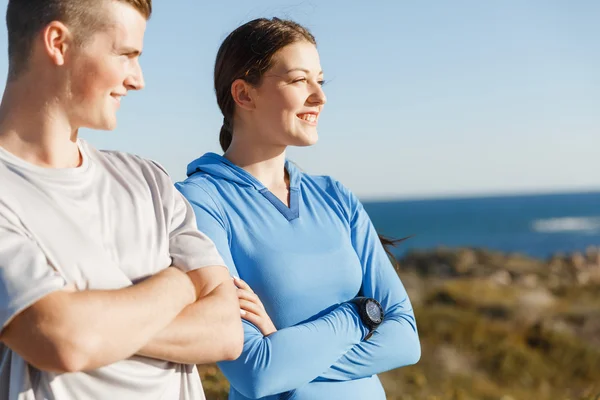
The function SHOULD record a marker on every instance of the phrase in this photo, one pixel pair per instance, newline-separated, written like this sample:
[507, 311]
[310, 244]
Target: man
[107, 289]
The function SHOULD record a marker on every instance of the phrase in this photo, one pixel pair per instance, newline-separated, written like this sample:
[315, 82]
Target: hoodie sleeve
[395, 343]
[290, 357]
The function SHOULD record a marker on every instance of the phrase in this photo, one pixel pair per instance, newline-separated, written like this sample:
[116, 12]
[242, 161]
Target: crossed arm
[185, 317]
[329, 347]
[206, 331]
[167, 316]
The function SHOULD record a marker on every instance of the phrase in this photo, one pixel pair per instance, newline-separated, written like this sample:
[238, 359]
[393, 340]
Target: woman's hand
[252, 309]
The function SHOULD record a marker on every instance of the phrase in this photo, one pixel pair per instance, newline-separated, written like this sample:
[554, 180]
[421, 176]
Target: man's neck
[34, 129]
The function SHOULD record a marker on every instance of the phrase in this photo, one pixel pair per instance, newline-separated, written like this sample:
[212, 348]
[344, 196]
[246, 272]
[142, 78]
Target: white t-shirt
[104, 225]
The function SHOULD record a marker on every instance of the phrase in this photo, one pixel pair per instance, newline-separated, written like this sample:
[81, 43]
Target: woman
[303, 243]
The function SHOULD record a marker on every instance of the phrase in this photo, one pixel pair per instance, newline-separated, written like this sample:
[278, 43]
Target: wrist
[370, 313]
[351, 309]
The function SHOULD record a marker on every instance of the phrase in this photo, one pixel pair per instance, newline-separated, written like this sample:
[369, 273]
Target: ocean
[536, 225]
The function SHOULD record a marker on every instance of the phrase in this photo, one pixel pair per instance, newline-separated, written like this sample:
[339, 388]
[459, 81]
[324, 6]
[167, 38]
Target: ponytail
[225, 136]
[388, 243]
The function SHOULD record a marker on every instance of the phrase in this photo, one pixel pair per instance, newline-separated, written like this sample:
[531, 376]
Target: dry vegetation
[495, 327]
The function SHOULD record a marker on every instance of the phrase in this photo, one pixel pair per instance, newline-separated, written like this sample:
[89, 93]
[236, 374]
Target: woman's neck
[265, 163]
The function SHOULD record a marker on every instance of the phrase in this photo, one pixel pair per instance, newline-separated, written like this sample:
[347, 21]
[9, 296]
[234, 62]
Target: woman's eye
[300, 80]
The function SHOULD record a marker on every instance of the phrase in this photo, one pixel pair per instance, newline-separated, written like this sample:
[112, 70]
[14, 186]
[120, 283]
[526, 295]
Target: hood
[219, 167]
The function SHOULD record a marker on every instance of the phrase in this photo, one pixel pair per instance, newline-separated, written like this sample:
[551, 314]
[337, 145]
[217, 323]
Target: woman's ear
[243, 94]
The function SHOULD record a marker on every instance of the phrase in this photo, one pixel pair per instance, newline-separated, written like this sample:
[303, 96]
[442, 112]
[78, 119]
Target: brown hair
[247, 53]
[26, 18]
[388, 243]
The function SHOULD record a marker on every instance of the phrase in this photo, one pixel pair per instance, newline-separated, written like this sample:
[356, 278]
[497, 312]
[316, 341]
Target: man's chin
[103, 126]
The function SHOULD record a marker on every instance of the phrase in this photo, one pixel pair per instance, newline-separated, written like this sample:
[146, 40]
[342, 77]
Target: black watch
[370, 311]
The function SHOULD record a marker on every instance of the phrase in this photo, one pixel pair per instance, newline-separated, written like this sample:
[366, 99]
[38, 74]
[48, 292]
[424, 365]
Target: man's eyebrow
[302, 70]
[132, 51]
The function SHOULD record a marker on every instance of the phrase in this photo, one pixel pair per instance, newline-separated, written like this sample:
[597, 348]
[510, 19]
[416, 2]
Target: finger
[257, 320]
[242, 285]
[251, 317]
[244, 294]
[250, 307]
[265, 327]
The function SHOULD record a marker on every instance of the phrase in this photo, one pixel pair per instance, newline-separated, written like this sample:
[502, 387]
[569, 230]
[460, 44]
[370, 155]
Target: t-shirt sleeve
[209, 219]
[189, 248]
[25, 274]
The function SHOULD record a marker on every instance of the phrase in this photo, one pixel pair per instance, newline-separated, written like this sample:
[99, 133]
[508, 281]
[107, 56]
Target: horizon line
[478, 195]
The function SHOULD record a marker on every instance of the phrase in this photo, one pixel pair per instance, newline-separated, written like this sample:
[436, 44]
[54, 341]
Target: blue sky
[429, 98]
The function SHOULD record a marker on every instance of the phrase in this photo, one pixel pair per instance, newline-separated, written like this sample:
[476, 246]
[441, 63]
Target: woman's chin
[306, 140]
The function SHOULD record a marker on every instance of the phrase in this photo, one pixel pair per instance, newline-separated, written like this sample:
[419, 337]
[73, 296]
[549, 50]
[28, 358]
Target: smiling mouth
[309, 117]
[117, 97]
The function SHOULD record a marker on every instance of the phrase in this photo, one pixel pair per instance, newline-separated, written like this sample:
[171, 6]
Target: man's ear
[57, 39]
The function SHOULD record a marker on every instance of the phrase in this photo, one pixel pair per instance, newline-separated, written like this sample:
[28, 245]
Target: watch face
[373, 311]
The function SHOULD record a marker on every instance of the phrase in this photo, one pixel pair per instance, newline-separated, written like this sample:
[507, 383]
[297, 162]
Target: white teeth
[309, 117]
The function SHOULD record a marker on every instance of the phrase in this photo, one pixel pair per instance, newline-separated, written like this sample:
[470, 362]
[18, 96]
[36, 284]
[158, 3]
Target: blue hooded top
[304, 262]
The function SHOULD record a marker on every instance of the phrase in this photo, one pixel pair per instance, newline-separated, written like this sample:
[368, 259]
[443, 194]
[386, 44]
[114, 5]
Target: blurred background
[473, 127]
